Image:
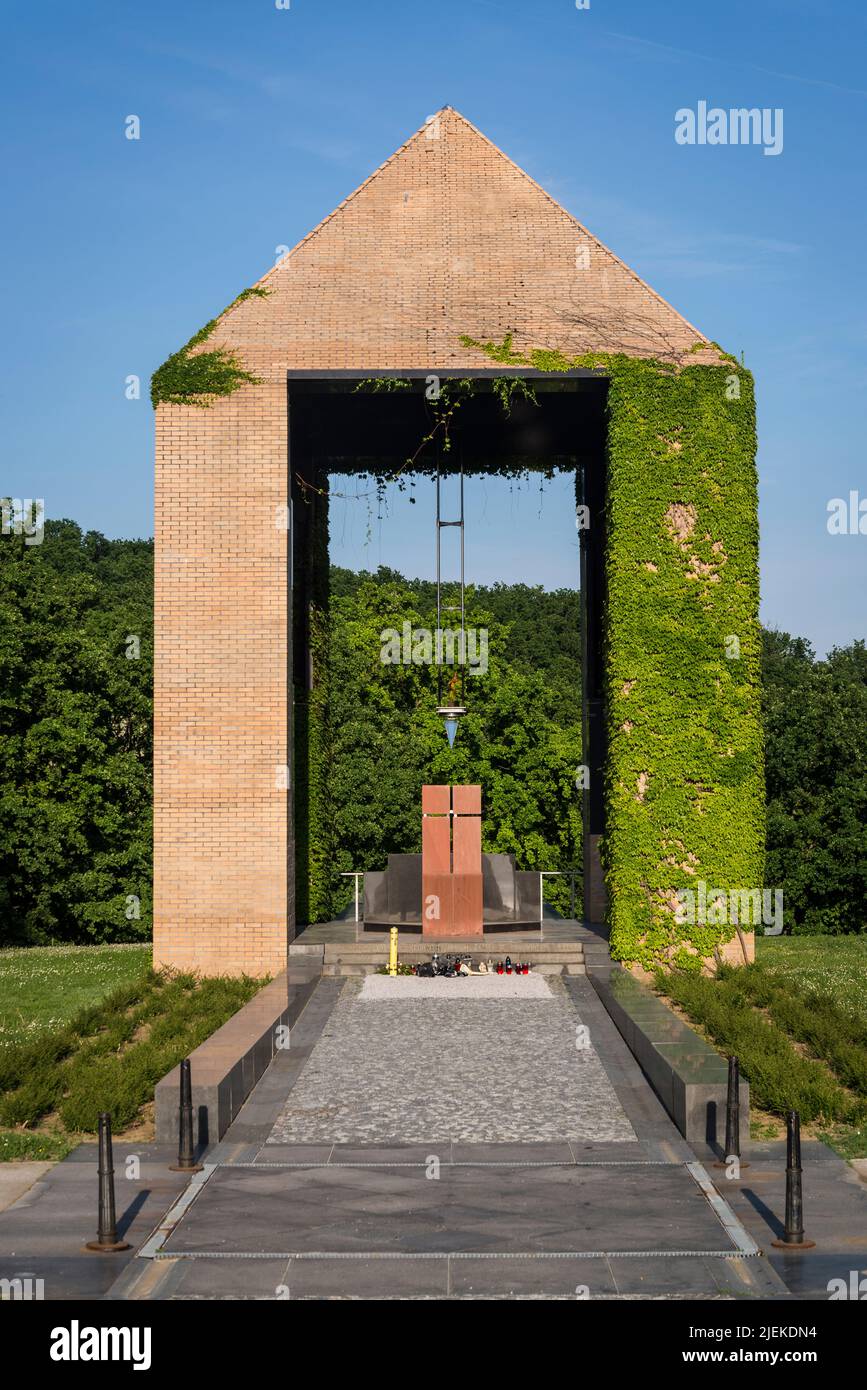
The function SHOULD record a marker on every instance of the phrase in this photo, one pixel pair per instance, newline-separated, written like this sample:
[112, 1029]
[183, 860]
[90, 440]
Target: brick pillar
[222, 674]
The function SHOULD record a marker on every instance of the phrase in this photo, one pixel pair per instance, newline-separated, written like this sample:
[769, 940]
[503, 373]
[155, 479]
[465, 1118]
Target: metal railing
[543, 874]
[356, 874]
[556, 873]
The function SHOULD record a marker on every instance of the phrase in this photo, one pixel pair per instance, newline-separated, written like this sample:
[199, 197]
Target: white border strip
[732, 1225]
[476, 1163]
[447, 1254]
[157, 1239]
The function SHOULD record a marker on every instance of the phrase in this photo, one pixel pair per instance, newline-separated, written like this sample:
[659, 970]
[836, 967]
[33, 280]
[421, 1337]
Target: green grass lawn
[831, 965]
[86, 1029]
[43, 987]
[797, 1021]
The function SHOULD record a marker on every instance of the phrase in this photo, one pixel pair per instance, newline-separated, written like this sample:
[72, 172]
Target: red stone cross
[451, 861]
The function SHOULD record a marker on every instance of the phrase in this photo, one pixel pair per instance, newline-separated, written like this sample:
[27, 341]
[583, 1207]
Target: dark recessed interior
[338, 428]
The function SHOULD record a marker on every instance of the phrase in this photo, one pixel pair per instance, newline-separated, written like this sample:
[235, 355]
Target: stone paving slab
[627, 1153]
[44, 1233]
[690, 1278]
[541, 1280]
[253, 1279]
[444, 1277]
[587, 1279]
[17, 1178]
[425, 1071]
[835, 1213]
[341, 1210]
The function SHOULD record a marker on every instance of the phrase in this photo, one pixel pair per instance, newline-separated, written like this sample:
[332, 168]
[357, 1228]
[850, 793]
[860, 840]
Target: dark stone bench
[225, 1067]
[687, 1074]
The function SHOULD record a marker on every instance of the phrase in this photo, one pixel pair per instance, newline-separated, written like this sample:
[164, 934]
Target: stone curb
[226, 1066]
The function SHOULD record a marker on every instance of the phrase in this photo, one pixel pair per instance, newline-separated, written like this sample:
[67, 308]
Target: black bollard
[733, 1119]
[793, 1237]
[106, 1242]
[186, 1150]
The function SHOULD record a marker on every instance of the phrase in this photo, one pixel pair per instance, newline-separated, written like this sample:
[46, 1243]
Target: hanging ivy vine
[443, 406]
[196, 378]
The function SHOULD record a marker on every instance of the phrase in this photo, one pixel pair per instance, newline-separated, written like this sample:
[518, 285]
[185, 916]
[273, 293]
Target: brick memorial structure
[447, 246]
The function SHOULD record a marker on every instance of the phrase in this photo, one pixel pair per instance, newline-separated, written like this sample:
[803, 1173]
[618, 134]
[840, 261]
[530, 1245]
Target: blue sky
[256, 122]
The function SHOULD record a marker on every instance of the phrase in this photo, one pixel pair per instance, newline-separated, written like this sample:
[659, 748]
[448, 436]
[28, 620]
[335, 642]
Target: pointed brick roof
[447, 237]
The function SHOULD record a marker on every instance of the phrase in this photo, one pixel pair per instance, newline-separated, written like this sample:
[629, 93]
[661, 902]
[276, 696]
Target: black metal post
[793, 1237]
[186, 1148]
[732, 1148]
[106, 1237]
[733, 1119]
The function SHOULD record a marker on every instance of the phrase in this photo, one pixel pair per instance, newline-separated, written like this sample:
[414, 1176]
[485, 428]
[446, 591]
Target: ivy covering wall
[685, 796]
[684, 781]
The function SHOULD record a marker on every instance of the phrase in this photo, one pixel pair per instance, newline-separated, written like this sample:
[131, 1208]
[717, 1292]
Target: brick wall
[221, 822]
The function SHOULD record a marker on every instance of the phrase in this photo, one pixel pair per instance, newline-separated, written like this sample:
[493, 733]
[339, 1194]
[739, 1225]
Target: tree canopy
[520, 737]
[815, 715]
[76, 675]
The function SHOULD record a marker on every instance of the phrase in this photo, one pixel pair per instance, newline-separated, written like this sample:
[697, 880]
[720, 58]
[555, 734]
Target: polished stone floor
[466, 1070]
[414, 1206]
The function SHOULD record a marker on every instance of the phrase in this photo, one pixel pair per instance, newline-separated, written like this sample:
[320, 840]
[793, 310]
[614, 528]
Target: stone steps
[363, 957]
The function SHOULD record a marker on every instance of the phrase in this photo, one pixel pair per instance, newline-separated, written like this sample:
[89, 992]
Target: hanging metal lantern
[450, 714]
[451, 709]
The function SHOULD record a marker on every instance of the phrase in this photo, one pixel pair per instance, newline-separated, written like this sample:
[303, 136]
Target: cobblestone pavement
[474, 1071]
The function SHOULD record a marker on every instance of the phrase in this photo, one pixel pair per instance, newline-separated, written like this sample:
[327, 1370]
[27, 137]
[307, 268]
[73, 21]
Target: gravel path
[466, 1070]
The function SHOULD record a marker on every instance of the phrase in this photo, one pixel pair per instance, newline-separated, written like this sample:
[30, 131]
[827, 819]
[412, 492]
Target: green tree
[387, 739]
[815, 715]
[76, 742]
[75, 737]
